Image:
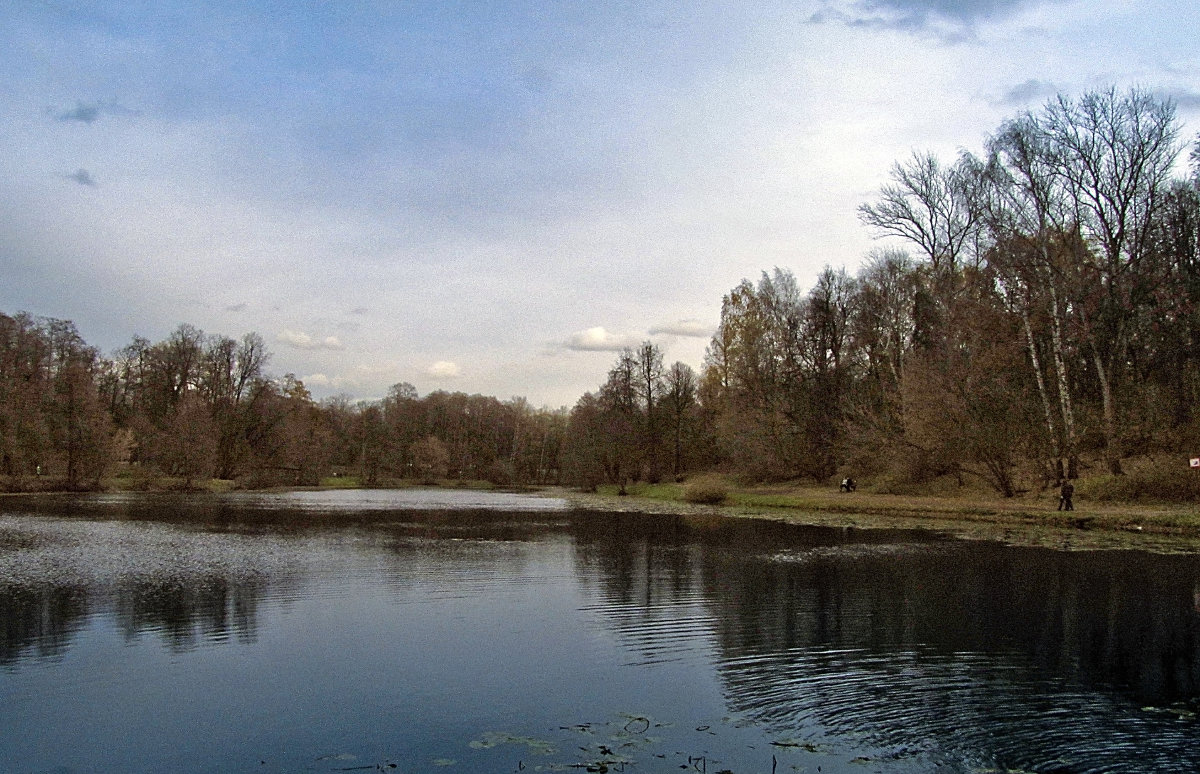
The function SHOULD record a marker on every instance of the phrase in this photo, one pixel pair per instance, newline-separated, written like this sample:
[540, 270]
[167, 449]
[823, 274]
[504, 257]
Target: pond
[452, 631]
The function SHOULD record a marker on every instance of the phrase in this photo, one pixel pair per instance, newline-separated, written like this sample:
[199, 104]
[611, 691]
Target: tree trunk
[1036, 362]
[1112, 440]
[1064, 393]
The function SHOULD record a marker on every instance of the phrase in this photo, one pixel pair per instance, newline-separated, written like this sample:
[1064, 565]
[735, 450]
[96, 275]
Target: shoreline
[1027, 521]
[1157, 528]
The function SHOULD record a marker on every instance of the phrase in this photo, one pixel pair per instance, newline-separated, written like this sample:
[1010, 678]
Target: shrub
[1163, 480]
[708, 489]
[501, 473]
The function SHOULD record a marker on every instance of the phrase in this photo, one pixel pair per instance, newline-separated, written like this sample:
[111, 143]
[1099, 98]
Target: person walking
[1066, 491]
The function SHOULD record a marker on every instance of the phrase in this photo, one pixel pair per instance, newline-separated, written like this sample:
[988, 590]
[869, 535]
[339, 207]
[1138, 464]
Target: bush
[708, 490]
[1163, 480]
[501, 473]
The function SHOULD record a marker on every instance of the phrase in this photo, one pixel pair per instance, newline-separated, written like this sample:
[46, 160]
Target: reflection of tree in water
[644, 570]
[190, 613]
[187, 585]
[204, 579]
[1117, 620]
[39, 620]
[1014, 656]
[1026, 656]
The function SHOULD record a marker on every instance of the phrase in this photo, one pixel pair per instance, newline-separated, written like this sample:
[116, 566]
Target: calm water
[442, 631]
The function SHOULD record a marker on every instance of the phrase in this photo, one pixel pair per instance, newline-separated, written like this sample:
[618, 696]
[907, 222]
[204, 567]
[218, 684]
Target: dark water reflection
[461, 632]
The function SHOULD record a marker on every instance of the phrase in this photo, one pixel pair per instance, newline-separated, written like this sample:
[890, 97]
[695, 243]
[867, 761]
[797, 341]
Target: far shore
[1031, 519]
[1028, 520]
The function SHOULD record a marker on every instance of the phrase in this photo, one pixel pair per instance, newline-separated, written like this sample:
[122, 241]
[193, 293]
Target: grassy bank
[1029, 519]
[1032, 518]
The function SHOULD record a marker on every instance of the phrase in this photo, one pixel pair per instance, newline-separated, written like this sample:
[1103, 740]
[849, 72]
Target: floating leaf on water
[583, 728]
[797, 743]
[495, 739]
[637, 724]
[1178, 710]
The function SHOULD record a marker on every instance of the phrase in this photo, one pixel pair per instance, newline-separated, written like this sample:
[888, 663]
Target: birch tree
[1113, 155]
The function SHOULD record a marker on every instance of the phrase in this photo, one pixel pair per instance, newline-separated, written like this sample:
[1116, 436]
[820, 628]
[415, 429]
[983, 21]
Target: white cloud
[692, 328]
[301, 340]
[630, 182]
[365, 381]
[443, 369]
[600, 340]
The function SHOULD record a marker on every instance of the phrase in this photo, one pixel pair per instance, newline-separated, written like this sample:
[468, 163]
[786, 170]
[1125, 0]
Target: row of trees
[446, 435]
[50, 407]
[646, 421]
[1045, 312]
[195, 406]
[1046, 309]
[1049, 308]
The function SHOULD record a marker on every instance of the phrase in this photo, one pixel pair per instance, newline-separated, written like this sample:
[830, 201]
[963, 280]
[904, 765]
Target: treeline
[1047, 310]
[1046, 314]
[197, 406]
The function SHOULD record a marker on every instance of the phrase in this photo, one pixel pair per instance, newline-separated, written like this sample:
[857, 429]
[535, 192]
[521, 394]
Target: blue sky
[493, 197]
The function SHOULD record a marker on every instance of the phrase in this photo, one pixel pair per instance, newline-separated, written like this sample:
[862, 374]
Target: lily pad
[495, 739]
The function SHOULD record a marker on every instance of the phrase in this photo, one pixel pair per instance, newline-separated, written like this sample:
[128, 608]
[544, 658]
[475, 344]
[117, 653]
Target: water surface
[437, 630]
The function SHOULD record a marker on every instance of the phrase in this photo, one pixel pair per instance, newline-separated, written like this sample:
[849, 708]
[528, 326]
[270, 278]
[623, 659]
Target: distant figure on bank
[848, 485]
[1066, 491]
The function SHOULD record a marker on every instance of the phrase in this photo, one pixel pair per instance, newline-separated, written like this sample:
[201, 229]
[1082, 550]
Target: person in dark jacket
[1066, 491]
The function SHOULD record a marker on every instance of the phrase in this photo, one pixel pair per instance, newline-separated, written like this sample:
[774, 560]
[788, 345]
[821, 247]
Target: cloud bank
[690, 328]
[598, 339]
[301, 340]
[443, 369]
[952, 21]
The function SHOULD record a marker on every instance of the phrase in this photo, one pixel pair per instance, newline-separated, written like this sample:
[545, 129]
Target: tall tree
[650, 375]
[826, 364]
[928, 204]
[1114, 153]
[82, 427]
[680, 385]
[1031, 221]
[25, 369]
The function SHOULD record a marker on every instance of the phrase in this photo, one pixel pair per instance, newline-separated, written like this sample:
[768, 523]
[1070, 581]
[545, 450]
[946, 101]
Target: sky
[495, 197]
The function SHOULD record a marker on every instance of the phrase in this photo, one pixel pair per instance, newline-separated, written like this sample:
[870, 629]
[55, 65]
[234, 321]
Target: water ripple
[968, 711]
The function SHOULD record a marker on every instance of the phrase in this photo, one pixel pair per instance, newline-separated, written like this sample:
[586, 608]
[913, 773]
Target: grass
[1104, 507]
[969, 511]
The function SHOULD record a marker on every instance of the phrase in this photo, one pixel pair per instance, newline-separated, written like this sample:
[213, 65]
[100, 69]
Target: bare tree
[650, 375]
[679, 397]
[1113, 154]
[1030, 217]
[431, 459]
[927, 204]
